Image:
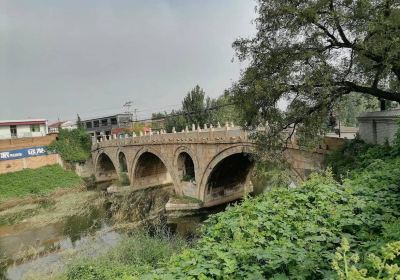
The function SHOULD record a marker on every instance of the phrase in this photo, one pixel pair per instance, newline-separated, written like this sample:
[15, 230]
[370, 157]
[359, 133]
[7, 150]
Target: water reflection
[28, 247]
[77, 226]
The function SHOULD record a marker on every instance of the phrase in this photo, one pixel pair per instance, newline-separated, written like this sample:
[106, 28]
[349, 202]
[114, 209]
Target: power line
[217, 107]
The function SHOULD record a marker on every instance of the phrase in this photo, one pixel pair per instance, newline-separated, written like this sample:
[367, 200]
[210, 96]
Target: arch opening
[229, 177]
[150, 171]
[186, 167]
[105, 168]
[123, 166]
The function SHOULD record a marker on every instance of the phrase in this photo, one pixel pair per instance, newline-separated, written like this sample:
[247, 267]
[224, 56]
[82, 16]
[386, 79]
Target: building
[23, 128]
[345, 132]
[69, 125]
[106, 125]
[379, 127]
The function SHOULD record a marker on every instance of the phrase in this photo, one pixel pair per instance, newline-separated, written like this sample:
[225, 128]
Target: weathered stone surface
[379, 127]
[152, 160]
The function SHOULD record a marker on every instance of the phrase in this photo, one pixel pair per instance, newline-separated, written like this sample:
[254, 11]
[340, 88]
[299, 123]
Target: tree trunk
[383, 104]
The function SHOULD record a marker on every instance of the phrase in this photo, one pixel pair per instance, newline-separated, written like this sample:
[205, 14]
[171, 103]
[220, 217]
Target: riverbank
[36, 182]
[42, 235]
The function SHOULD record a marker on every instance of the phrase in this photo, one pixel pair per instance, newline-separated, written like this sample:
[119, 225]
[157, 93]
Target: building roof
[105, 117]
[22, 122]
[56, 124]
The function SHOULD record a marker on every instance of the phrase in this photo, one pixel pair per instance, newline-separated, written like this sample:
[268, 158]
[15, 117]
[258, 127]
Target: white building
[23, 128]
[69, 125]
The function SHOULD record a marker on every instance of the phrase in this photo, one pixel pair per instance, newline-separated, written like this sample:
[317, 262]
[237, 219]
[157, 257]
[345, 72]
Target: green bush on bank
[294, 233]
[72, 145]
[36, 181]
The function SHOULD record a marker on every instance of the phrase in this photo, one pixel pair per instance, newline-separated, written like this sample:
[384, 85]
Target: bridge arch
[227, 175]
[186, 169]
[122, 162]
[181, 155]
[149, 169]
[105, 168]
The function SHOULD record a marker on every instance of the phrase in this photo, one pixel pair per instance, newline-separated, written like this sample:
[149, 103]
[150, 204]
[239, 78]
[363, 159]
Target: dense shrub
[72, 145]
[293, 233]
[381, 266]
[355, 154]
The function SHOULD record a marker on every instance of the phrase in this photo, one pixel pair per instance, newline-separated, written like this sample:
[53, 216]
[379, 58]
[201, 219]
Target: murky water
[48, 249]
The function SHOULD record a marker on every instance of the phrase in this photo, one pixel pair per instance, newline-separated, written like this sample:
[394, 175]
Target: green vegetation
[123, 179]
[72, 145]
[350, 106]
[356, 154]
[36, 181]
[293, 233]
[199, 109]
[384, 267]
[312, 55]
[188, 178]
[269, 174]
[184, 199]
[135, 255]
[285, 233]
[17, 214]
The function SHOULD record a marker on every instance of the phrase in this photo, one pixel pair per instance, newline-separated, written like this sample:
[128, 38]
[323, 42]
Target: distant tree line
[199, 109]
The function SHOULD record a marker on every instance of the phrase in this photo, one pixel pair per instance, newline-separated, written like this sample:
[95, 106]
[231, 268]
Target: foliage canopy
[199, 109]
[312, 53]
[72, 145]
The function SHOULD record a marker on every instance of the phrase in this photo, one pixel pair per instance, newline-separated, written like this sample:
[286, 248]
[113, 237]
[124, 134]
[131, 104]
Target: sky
[60, 58]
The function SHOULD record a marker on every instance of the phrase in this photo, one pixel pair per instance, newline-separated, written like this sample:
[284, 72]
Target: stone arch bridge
[212, 165]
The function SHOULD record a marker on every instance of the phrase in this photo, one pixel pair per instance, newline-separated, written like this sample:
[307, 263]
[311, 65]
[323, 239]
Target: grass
[39, 181]
[135, 255]
[184, 199]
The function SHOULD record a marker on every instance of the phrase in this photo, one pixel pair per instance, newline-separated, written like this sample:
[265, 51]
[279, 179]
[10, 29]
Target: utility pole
[127, 106]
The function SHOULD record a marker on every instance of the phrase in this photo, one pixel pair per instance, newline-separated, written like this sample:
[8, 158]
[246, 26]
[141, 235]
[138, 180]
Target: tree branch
[338, 26]
[377, 76]
[327, 33]
[388, 95]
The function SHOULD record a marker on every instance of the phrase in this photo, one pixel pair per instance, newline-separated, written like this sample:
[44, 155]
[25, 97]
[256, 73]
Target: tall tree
[308, 54]
[79, 123]
[175, 119]
[224, 109]
[195, 106]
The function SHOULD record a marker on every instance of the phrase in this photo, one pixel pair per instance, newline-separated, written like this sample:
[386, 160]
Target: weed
[34, 182]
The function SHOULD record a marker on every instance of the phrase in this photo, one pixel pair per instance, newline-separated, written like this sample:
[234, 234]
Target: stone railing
[207, 134]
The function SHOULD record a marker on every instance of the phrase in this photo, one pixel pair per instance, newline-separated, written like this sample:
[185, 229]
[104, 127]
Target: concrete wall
[379, 127]
[21, 143]
[32, 162]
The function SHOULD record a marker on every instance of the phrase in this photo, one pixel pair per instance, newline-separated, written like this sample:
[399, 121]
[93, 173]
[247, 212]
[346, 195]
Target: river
[47, 249]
